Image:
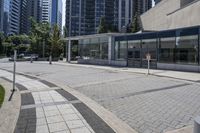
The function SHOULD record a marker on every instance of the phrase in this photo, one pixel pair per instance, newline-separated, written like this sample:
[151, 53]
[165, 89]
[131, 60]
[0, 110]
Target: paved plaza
[149, 104]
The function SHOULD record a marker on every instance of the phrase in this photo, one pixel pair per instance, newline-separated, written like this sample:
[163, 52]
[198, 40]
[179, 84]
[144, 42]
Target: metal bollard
[50, 59]
[197, 125]
[31, 59]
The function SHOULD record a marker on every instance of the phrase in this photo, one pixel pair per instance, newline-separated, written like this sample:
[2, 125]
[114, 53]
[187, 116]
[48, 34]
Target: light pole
[14, 69]
[43, 49]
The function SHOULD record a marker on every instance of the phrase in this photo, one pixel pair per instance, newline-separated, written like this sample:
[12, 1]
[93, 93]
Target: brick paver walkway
[148, 104]
[44, 109]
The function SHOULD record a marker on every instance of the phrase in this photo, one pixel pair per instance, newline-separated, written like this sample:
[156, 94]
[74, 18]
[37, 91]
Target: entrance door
[149, 47]
[134, 54]
[134, 57]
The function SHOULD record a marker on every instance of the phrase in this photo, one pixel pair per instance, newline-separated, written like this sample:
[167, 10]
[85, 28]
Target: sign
[148, 56]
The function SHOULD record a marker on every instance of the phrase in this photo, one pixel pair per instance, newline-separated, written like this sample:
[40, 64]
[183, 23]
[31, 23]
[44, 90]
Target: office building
[56, 13]
[172, 14]
[10, 16]
[172, 43]
[83, 16]
[104, 8]
[157, 1]
[46, 10]
[176, 49]
[124, 13]
[1, 15]
[14, 17]
[28, 9]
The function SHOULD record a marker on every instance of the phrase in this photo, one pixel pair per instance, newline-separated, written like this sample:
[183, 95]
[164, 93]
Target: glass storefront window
[104, 48]
[95, 48]
[134, 49]
[121, 50]
[134, 44]
[167, 49]
[187, 49]
[149, 46]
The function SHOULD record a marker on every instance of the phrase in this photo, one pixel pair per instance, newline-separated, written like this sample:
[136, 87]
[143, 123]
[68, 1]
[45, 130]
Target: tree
[65, 31]
[39, 36]
[135, 25]
[102, 26]
[1, 42]
[55, 41]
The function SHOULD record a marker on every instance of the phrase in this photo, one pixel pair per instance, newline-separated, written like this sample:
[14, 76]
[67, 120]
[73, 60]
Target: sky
[63, 13]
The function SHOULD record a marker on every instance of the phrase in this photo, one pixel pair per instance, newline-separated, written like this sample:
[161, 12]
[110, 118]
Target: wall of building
[169, 14]
[1, 15]
[156, 18]
[83, 16]
[185, 17]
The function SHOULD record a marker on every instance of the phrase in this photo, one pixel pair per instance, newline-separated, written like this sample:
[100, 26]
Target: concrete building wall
[185, 17]
[169, 14]
[156, 18]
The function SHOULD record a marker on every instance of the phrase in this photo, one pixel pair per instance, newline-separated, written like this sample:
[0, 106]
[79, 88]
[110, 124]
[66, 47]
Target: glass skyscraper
[56, 13]
[83, 16]
[28, 9]
[10, 16]
[14, 16]
[1, 15]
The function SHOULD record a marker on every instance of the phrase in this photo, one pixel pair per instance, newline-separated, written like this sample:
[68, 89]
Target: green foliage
[65, 31]
[135, 25]
[40, 33]
[102, 26]
[112, 28]
[55, 42]
[18, 39]
[1, 43]
[2, 95]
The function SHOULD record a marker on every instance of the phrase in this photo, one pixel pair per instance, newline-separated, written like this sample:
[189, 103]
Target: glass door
[134, 53]
[149, 47]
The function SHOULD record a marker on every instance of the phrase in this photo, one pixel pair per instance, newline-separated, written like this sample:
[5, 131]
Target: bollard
[50, 59]
[148, 66]
[31, 59]
[14, 69]
[197, 125]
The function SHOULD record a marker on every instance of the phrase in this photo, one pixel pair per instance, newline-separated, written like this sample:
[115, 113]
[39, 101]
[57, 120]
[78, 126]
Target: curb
[113, 121]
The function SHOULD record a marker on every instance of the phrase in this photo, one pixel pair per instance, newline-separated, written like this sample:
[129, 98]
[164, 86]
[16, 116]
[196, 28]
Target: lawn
[2, 93]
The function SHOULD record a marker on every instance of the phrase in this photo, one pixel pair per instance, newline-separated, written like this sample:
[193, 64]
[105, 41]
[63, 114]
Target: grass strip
[2, 95]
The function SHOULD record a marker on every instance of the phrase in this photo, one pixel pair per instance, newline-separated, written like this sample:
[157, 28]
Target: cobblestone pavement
[149, 104]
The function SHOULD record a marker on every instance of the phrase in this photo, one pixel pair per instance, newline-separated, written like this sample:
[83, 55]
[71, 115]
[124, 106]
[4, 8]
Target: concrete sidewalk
[190, 76]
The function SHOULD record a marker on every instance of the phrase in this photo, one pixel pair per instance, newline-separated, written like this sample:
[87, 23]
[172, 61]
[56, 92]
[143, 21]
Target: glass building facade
[83, 16]
[93, 48]
[179, 46]
[177, 49]
[56, 13]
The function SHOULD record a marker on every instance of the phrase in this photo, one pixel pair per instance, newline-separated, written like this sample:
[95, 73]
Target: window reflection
[166, 50]
[187, 49]
[121, 50]
[149, 46]
[95, 48]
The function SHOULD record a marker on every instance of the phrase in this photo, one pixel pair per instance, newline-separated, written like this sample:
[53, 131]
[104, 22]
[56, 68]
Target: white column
[109, 49]
[120, 15]
[66, 51]
[69, 51]
[127, 12]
